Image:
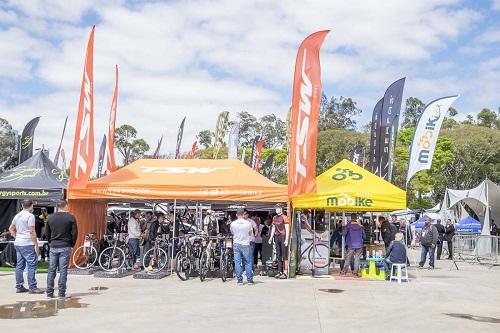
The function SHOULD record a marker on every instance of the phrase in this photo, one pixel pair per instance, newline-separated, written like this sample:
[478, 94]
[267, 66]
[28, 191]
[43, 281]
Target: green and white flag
[221, 129]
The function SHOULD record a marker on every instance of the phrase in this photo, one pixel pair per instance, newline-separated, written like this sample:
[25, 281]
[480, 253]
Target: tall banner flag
[56, 159]
[374, 138]
[102, 152]
[157, 150]
[254, 151]
[233, 141]
[426, 135]
[193, 150]
[63, 158]
[266, 167]
[304, 117]
[220, 131]
[180, 133]
[26, 144]
[83, 148]
[390, 111]
[392, 147]
[258, 154]
[357, 155]
[110, 160]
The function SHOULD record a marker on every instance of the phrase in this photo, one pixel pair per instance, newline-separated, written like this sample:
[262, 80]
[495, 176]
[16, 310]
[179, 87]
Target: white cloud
[495, 4]
[198, 58]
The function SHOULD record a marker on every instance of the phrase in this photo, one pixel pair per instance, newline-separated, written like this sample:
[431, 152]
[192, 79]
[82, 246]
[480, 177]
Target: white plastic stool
[399, 277]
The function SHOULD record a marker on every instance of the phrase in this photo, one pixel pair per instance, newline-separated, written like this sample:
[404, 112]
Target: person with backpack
[388, 232]
[428, 240]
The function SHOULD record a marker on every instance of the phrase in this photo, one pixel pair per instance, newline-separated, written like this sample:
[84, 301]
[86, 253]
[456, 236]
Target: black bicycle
[226, 258]
[189, 250]
[117, 255]
[209, 256]
[156, 259]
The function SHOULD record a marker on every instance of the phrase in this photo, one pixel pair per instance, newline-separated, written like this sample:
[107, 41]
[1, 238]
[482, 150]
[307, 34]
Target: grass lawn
[42, 268]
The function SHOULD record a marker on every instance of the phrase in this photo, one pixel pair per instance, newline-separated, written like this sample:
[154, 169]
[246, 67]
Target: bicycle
[226, 259]
[114, 257]
[186, 259]
[208, 256]
[314, 256]
[87, 253]
[157, 255]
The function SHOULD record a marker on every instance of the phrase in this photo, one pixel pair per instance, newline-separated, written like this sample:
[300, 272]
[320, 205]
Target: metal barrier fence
[476, 249]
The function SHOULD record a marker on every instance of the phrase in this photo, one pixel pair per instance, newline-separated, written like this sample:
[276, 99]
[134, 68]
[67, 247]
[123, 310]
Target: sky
[198, 58]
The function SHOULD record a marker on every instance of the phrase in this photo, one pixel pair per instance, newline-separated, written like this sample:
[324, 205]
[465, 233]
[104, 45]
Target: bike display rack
[114, 275]
[144, 275]
[90, 271]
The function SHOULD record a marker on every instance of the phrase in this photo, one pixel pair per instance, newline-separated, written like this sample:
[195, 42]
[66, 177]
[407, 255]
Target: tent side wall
[90, 217]
[8, 209]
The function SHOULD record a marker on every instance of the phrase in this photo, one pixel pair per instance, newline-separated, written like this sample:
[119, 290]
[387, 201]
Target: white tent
[484, 200]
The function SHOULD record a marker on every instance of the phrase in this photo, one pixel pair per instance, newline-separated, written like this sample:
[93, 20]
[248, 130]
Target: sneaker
[431, 267]
[50, 296]
[356, 275]
[21, 290]
[36, 291]
[239, 283]
[250, 283]
[63, 296]
[420, 266]
[342, 274]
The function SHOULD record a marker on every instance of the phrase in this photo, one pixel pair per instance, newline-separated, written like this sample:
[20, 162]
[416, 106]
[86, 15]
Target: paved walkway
[269, 306]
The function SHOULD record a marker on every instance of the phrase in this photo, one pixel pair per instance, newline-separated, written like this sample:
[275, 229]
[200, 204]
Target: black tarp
[8, 209]
[36, 178]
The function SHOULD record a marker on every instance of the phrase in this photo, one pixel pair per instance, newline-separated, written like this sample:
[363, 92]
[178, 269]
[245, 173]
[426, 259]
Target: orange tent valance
[208, 180]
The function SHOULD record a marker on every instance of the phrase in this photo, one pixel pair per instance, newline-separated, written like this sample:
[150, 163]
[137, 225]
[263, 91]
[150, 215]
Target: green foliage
[412, 112]
[127, 143]
[7, 142]
[486, 118]
[337, 113]
[205, 138]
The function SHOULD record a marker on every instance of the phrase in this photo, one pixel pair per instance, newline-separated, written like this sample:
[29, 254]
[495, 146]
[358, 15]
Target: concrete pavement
[269, 306]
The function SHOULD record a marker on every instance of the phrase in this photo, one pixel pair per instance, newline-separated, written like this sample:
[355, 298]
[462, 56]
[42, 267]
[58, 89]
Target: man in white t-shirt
[242, 232]
[27, 250]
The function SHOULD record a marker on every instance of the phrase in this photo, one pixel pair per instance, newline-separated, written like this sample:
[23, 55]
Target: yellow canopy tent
[348, 187]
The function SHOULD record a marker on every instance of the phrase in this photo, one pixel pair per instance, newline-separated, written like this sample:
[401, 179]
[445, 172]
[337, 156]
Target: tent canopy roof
[348, 187]
[205, 180]
[36, 178]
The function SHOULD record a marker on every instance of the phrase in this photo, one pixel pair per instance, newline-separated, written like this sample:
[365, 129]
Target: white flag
[233, 141]
[426, 135]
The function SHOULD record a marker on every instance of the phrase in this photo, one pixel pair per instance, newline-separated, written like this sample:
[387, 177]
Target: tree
[249, 128]
[469, 120]
[129, 145]
[449, 122]
[486, 118]
[273, 131]
[7, 143]
[413, 110]
[337, 113]
[205, 138]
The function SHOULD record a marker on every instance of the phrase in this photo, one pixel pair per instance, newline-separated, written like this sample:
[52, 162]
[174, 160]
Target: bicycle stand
[144, 275]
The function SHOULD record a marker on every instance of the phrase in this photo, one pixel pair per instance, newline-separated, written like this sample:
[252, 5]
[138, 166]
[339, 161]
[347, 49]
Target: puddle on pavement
[98, 288]
[332, 291]
[39, 309]
[475, 318]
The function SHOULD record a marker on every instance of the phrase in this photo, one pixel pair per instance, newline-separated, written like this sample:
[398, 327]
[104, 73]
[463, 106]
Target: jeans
[242, 254]
[356, 253]
[26, 255]
[423, 256]
[257, 252]
[439, 249]
[388, 267]
[133, 246]
[59, 258]
[450, 249]
[147, 246]
[252, 250]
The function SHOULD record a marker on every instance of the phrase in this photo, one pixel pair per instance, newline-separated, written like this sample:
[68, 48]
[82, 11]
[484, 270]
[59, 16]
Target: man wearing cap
[242, 231]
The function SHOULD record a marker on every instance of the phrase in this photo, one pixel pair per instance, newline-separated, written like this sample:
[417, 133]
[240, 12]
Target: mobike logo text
[27, 141]
[343, 174]
[181, 170]
[306, 92]
[83, 141]
[425, 141]
[346, 200]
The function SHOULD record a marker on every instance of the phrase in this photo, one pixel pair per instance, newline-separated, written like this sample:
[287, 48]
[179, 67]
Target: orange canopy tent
[204, 180]
[161, 179]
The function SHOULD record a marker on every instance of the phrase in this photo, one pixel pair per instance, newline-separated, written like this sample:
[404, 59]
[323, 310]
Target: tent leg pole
[173, 241]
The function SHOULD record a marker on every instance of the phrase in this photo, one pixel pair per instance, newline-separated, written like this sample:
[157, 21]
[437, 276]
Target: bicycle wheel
[182, 266]
[204, 266]
[85, 257]
[225, 266]
[324, 260]
[157, 260]
[112, 259]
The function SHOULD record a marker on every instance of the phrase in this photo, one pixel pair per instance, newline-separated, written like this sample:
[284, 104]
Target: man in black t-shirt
[61, 231]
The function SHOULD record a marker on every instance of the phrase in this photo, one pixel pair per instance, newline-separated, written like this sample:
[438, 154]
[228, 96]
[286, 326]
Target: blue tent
[419, 224]
[468, 225]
